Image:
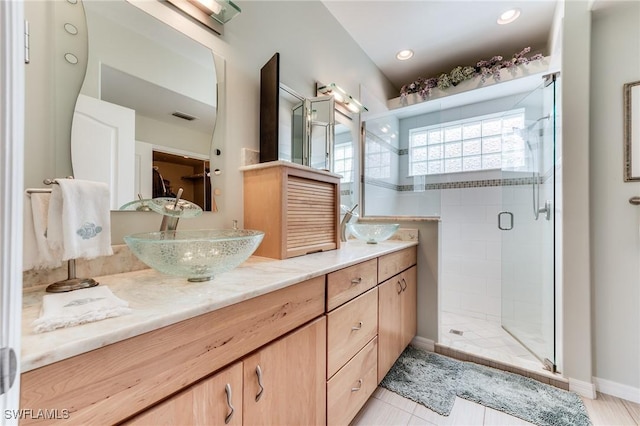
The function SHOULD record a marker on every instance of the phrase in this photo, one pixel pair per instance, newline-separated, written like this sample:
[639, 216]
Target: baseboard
[586, 389]
[617, 389]
[424, 343]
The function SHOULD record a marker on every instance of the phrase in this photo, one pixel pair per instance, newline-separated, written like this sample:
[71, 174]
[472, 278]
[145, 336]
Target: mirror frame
[629, 133]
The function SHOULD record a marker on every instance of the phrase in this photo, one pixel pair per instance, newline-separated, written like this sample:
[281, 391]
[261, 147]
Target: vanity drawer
[349, 328]
[394, 263]
[352, 386]
[347, 283]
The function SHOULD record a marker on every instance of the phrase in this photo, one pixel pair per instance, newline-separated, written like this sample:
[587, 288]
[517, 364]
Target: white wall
[574, 161]
[614, 223]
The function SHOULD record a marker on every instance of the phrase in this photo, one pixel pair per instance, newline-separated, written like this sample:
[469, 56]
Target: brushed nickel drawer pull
[227, 390]
[359, 386]
[399, 286]
[635, 201]
[357, 327]
[355, 281]
[259, 374]
[405, 284]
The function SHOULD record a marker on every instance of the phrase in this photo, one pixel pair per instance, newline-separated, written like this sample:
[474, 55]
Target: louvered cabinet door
[297, 208]
[310, 224]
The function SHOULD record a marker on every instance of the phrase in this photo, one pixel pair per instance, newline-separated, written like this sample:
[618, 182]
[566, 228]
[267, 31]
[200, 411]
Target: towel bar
[44, 190]
[72, 282]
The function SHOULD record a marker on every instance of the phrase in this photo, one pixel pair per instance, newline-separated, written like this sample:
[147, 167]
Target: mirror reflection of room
[171, 172]
[129, 108]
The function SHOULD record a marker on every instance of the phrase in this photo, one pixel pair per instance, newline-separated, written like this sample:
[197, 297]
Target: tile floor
[485, 338]
[386, 408]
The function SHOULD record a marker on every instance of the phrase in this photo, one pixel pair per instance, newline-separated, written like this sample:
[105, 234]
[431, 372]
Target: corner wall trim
[586, 389]
[424, 343]
[617, 389]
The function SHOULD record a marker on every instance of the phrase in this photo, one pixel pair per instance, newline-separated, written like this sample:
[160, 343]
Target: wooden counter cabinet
[397, 307]
[124, 379]
[216, 400]
[296, 207]
[282, 383]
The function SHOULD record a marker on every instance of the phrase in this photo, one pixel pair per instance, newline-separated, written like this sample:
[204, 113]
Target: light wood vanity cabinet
[352, 327]
[349, 328]
[368, 327]
[349, 389]
[345, 284]
[113, 383]
[282, 383]
[216, 400]
[397, 320]
[311, 353]
[296, 207]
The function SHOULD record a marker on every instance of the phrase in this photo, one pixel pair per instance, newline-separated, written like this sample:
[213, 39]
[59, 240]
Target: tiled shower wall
[471, 252]
[471, 269]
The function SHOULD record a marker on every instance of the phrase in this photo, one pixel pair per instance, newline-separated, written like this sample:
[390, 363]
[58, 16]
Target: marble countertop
[159, 300]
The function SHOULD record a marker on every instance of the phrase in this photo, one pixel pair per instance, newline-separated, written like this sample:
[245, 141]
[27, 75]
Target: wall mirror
[145, 76]
[631, 96]
[292, 127]
[149, 92]
[345, 158]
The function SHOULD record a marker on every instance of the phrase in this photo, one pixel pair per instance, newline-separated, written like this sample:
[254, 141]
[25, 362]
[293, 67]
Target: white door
[143, 167]
[11, 198]
[103, 146]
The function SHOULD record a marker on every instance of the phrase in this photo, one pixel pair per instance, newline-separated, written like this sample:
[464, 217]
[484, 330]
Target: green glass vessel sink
[373, 233]
[196, 255]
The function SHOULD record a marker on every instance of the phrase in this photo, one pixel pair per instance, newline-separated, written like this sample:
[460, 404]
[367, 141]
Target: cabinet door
[217, 400]
[409, 281]
[390, 336]
[284, 383]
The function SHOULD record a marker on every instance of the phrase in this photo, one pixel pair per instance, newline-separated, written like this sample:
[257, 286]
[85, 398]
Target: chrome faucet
[170, 223]
[343, 224]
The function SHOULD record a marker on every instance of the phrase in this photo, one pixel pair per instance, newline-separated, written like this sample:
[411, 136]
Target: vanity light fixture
[211, 13]
[405, 54]
[508, 16]
[341, 97]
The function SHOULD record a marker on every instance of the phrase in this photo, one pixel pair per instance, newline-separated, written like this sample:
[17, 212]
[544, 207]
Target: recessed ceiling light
[509, 16]
[405, 54]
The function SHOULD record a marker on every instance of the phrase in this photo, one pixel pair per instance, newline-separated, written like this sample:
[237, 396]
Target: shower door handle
[502, 215]
[546, 210]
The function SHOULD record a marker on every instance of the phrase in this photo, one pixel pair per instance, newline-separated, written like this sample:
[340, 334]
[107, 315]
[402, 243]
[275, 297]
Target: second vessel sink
[197, 255]
[373, 233]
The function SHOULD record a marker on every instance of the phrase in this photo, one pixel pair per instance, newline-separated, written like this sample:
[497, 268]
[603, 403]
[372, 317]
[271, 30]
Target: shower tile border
[484, 183]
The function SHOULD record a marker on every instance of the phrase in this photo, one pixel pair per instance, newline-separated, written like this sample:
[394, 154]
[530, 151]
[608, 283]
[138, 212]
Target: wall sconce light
[211, 13]
[341, 97]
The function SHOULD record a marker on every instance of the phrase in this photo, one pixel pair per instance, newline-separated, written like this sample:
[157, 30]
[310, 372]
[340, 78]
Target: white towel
[78, 307]
[36, 251]
[79, 219]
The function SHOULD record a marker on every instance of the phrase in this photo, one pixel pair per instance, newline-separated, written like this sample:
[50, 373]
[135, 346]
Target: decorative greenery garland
[484, 69]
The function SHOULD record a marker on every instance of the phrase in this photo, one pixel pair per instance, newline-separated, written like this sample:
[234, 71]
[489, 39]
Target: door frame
[12, 58]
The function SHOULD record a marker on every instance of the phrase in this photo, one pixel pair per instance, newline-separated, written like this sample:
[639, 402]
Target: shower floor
[485, 339]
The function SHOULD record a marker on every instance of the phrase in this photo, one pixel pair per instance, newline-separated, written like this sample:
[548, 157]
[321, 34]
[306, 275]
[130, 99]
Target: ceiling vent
[184, 115]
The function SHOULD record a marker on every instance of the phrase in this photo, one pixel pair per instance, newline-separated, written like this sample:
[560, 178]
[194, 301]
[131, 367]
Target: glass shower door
[527, 223]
